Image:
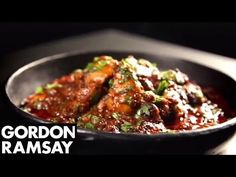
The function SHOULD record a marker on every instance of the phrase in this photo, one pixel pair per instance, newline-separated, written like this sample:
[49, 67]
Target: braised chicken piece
[66, 98]
[130, 95]
[121, 109]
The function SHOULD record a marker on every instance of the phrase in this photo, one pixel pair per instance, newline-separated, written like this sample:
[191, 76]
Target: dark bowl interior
[24, 81]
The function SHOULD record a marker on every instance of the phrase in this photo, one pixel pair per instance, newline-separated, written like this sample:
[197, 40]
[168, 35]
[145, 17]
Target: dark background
[213, 37]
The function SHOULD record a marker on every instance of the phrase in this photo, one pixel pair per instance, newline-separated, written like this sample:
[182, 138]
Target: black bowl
[24, 81]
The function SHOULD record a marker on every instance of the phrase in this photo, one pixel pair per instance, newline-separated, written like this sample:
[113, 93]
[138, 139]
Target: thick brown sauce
[128, 96]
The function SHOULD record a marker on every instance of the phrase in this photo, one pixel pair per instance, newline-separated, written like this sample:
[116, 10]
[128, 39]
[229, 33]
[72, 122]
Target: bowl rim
[189, 133]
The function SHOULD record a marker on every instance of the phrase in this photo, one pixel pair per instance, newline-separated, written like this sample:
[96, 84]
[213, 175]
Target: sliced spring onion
[89, 125]
[39, 90]
[143, 111]
[111, 82]
[116, 115]
[162, 86]
[52, 86]
[126, 126]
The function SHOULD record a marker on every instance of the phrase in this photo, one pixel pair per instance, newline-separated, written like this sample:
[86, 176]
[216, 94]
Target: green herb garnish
[116, 115]
[101, 64]
[127, 89]
[162, 86]
[172, 75]
[39, 90]
[89, 66]
[95, 119]
[48, 86]
[158, 99]
[125, 75]
[168, 75]
[52, 86]
[89, 125]
[144, 111]
[128, 100]
[111, 82]
[126, 126]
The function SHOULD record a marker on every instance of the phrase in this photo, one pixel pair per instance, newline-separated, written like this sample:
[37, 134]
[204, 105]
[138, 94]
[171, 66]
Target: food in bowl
[128, 95]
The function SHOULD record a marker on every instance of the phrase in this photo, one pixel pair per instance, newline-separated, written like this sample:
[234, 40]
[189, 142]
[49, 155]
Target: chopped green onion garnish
[95, 119]
[168, 75]
[126, 126]
[52, 86]
[89, 66]
[162, 86]
[129, 100]
[143, 111]
[116, 115]
[125, 75]
[127, 89]
[111, 82]
[158, 99]
[89, 125]
[39, 90]
[101, 64]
